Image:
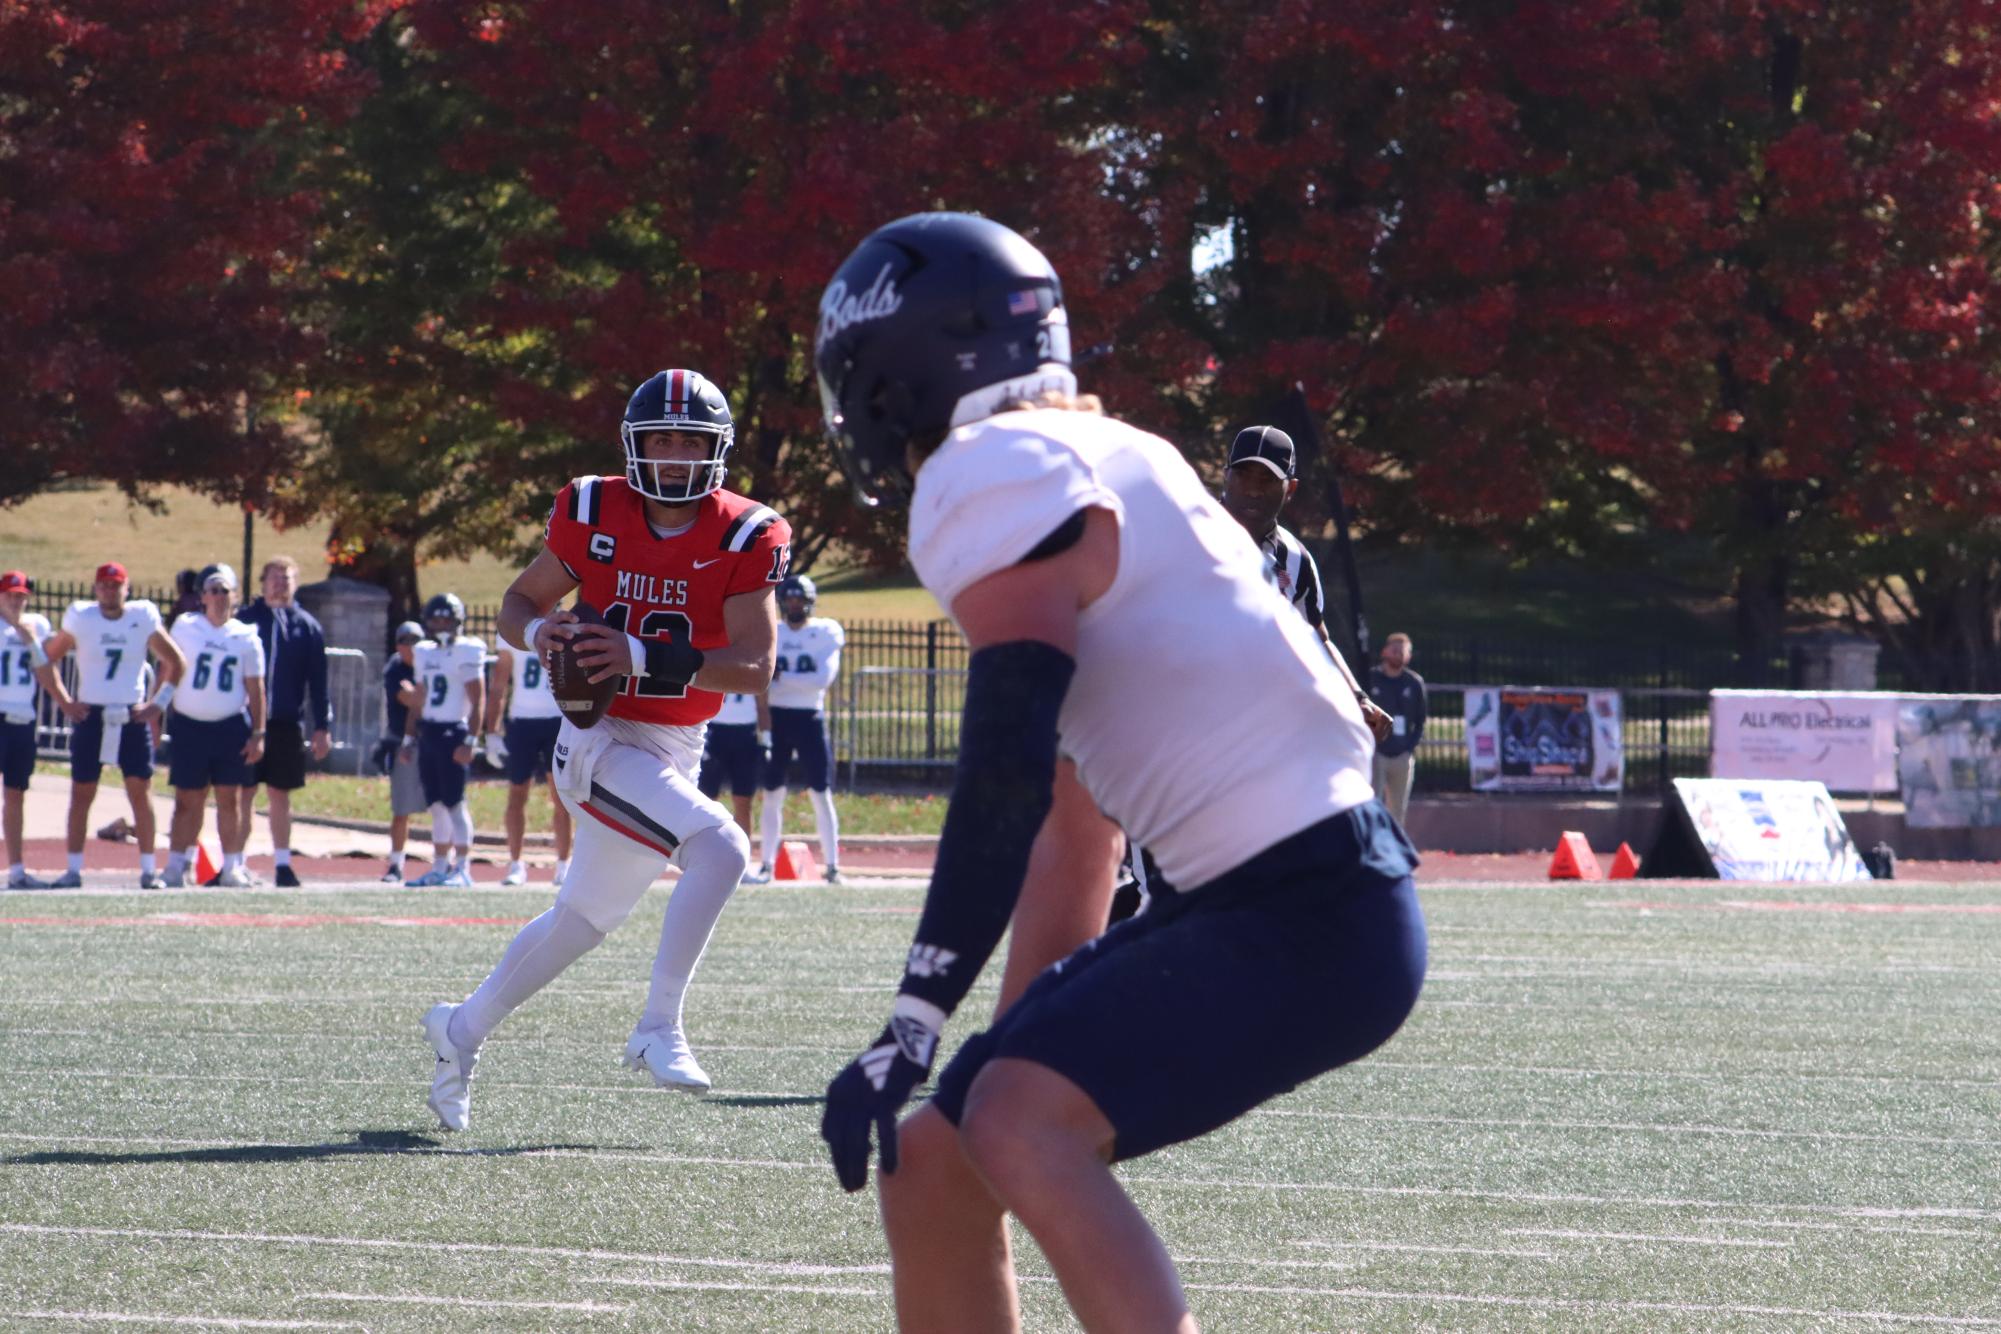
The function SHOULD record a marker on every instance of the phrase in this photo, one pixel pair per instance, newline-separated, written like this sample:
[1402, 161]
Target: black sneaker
[285, 879]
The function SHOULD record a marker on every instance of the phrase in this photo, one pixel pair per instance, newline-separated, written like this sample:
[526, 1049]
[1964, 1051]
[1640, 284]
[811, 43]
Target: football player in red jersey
[684, 573]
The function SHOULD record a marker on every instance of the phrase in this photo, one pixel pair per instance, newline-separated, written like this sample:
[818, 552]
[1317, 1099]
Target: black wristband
[672, 662]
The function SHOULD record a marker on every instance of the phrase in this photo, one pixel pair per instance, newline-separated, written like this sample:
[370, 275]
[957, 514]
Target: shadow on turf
[365, 1142]
[765, 1100]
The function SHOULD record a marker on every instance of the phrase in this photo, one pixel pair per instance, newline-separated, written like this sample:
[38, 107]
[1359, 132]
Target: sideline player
[528, 749]
[809, 657]
[437, 738]
[217, 724]
[113, 717]
[22, 658]
[682, 571]
[406, 788]
[738, 744]
[1080, 555]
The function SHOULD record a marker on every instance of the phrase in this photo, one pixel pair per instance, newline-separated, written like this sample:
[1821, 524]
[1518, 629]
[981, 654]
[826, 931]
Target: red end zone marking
[259, 919]
[1778, 905]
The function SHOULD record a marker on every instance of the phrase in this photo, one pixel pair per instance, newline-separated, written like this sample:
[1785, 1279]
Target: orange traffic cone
[1625, 863]
[795, 862]
[205, 867]
[1574, 859]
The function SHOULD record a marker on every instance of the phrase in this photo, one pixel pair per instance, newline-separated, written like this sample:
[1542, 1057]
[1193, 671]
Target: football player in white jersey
[734, 752]
[217, 723]
[1080, 557]
[113, 717]
[22, 662]
[809, 658]
[451, 673]
[528, 750]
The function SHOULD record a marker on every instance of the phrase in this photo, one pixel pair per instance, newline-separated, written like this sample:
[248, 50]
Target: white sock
[537, 956]
[712, 864]
[283, 856]
[146, 863]
[76, 862]
[562, 869]
[232, 861]
[774, 823]
[177, 863]
[516, 868]
[441, 827]
[830, 826]
[396, 859]
[16, 871]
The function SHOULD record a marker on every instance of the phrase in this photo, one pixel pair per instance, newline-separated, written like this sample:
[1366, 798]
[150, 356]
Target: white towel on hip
[115, 718]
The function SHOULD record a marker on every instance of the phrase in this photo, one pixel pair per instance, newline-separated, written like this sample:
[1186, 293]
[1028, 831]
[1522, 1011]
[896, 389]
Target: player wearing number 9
[683, 571]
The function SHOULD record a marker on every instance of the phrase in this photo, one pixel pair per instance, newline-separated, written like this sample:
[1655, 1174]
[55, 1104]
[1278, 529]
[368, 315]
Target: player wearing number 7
[683, 572]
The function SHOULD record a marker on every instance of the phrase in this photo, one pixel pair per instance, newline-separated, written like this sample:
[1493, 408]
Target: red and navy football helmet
[677, 400]
[934, 321]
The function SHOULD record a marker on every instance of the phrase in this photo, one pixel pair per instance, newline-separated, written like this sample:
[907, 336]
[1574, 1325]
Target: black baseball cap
[1264, 444]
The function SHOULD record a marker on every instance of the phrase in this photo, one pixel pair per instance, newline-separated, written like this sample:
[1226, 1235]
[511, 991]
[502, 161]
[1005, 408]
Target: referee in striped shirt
[1260, 477]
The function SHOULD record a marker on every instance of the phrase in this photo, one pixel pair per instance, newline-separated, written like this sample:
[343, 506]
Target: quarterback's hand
[1379, 722]
[603, 651]
[873, 1089]
[496, 750]
[557, 627]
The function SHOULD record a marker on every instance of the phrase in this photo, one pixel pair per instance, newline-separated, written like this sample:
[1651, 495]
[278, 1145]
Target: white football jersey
[808, 660]
[17, 663]
[442, 673]
[1204, 717]
[737, 709]
[111, 655]
[529, 696]
[220, 659]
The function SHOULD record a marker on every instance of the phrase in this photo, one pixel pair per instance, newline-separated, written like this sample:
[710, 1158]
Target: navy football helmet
[447, 609]
[802, 588]
[934, 321]
[677, 401]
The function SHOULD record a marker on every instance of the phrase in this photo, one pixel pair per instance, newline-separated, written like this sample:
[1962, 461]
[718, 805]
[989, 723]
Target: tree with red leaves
[150, 227]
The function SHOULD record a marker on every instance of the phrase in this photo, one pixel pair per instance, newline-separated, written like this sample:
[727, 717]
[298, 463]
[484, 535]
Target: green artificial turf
[1603, 1116]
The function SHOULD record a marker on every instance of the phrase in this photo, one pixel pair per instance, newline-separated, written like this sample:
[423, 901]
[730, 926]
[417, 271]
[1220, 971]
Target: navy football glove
[874, 1087]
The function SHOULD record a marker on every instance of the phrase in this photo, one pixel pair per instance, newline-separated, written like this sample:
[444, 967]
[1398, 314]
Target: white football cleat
[451, 1085]
[233, 877]
[665, 1057]
[176, 880]
[517, 874]
[26, 881]
[761, 876]
[152, 880]
[460, 877]
[431, 878]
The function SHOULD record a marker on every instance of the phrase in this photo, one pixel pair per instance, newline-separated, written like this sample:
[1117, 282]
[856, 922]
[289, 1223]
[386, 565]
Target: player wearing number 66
[683, 572]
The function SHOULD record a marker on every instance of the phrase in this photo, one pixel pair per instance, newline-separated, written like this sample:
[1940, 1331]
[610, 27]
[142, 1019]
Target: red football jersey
[653, 586]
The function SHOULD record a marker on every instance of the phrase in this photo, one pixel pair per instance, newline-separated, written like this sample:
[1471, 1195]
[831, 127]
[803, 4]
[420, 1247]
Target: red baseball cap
[113, 571]
[13, 581]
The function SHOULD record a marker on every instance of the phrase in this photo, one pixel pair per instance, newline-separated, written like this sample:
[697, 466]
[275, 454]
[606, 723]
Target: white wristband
[530, 630]
[638, 655]
[165, 695]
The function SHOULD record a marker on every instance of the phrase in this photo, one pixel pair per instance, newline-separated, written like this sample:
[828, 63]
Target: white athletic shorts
[631, 787]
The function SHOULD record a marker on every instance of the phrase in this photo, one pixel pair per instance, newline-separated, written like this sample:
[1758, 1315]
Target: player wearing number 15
[683, 573]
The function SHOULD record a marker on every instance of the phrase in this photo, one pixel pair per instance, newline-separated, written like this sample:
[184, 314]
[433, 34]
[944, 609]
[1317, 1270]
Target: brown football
[582, 701]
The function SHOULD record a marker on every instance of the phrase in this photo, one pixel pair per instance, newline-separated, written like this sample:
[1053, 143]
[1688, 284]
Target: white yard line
[696, 1285]
[1672, 1239]
[205, 1321]
[422, 1299]
[1634, 1127]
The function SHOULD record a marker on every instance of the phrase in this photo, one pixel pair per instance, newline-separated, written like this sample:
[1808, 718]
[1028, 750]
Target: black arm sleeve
[1000, 794]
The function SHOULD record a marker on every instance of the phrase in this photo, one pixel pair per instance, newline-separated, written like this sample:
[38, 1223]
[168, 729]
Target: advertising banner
[1544, 739]
[1846, 740]
[1762, 829]
[1949, 761]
